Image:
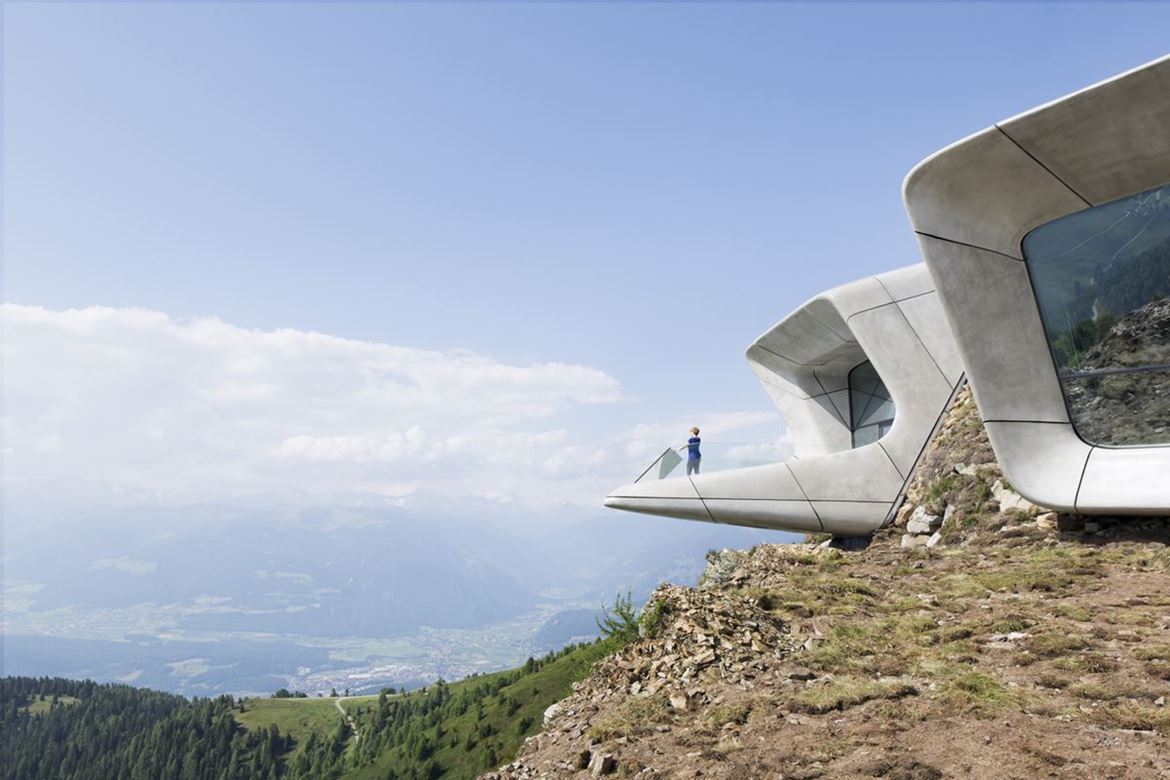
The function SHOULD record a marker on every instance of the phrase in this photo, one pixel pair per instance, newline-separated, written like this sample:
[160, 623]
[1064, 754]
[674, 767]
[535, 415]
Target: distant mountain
[363, 593]
[572, 625]
[384, 577]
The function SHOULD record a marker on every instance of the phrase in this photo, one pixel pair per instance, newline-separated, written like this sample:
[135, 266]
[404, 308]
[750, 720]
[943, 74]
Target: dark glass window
[871, 410]
[1102, 277]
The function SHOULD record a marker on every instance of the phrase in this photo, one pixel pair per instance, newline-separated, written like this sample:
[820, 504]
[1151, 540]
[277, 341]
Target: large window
[871, 410]
[1102, 277]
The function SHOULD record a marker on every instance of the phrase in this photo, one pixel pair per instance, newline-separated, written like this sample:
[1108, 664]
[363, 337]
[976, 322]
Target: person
[694, 457]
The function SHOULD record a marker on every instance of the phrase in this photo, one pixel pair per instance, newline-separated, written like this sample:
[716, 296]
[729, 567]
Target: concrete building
[1047, 283]
[862, 374]
[1048, 237]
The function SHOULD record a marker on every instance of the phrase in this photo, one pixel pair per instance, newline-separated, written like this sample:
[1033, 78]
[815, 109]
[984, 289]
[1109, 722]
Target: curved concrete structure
[988, 212]
[894, 322]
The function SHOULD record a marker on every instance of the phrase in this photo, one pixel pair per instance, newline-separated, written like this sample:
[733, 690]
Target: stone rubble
[666, 705]
[703, 638]
[1009, 500]
[922, 523]
[762, 567]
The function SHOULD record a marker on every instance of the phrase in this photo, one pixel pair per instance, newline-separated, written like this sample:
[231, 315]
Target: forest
[58, 729]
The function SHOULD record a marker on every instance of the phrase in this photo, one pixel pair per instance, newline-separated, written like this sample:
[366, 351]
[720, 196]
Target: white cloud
[199, 407]
[648, 440]
[146, 405]
[125, 564]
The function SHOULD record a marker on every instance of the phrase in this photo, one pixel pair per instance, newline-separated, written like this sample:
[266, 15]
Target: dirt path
[357, 737]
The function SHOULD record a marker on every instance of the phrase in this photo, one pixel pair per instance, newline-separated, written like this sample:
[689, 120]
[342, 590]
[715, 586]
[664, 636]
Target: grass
[1153, 653]
[886, 645]
[1131, 715]
[42, 706]
[1073, 612]
[533, 693]
[1104, 691]
[978, 690]
[939, 489]
[1011, 623]
[1054, 645]
[1053, 680]
[718, 717]
[1086, 663]
[298, 717]
[924, 620]
[652, 618]
[638, 715]
[844, 692]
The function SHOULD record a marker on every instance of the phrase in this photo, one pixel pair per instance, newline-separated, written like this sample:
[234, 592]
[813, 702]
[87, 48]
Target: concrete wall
[971, 205]
[893, 320]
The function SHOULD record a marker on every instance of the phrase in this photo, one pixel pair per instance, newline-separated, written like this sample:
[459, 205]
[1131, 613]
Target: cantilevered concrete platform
[839, 482]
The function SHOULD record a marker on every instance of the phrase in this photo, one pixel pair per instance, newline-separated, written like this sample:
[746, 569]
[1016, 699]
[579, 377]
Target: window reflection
[871, 410]
[1102, 277]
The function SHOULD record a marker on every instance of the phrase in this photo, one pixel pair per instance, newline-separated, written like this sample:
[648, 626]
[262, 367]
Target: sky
[508, 251]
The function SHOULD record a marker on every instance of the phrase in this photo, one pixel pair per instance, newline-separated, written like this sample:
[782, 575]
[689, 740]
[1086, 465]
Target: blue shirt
[693, 448]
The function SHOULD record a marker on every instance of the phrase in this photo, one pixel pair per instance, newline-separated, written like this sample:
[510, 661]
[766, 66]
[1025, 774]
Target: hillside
[454, 730]
[980, 637]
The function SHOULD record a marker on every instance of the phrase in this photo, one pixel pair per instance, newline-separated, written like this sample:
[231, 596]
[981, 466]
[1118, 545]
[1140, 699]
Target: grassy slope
[535, 692]
[298, 717]
[1028, 645]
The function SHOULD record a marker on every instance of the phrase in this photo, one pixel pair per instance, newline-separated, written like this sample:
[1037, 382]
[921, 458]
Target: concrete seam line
[871, 308]
[798, 500]
[701, 501]
[925, 348]
[825, 393]
[969, 246]
[1036, 160]
[917, 338]
[800, 487]
[922, 450]
[785, 389]
[916, 295]
[658, 498]
[891, 460]
[825, 325]
[1084, 468]
[777, 354]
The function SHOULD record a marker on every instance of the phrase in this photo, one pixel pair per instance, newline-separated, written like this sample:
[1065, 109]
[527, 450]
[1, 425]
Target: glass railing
[717, 456]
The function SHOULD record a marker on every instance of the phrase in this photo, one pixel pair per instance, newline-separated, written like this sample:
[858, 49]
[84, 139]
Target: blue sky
[635, 190]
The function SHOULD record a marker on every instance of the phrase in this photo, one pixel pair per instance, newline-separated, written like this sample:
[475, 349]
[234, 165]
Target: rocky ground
[979, 637]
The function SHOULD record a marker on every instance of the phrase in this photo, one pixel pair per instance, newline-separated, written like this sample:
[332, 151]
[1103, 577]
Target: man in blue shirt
[694, 458]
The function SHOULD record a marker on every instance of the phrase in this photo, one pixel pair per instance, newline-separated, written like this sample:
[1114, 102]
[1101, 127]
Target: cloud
[125, 564]
[201, 408]
[648, 440]
[135, 405]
